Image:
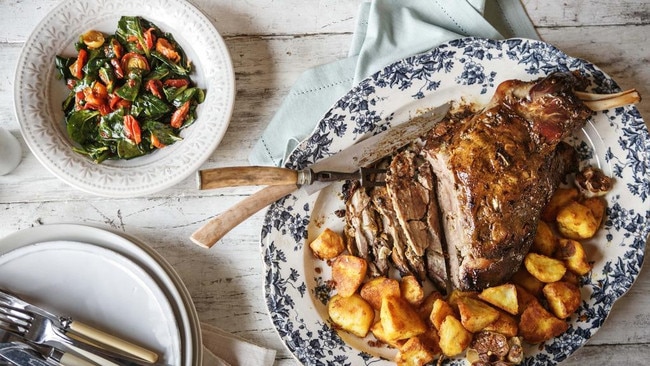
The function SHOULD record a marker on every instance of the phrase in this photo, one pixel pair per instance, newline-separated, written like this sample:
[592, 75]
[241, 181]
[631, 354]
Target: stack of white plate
[110, 281]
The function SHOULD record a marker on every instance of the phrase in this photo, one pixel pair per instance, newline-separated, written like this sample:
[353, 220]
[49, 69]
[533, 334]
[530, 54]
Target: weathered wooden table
[271, 42]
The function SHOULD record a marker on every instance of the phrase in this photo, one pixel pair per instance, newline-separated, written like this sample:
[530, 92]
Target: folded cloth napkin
[386, 31]
[224, 349]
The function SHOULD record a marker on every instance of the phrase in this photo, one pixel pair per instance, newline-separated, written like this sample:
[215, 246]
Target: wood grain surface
[271, 42]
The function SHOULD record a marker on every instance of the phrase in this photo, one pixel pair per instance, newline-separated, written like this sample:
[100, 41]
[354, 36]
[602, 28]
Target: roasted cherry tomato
[93, 39]
[134, 60]
[155, 87]
[179, 115]
[168, 50]
[149, 38]
[176, 83]
[132, 129]
[76, 69]
[156, 142]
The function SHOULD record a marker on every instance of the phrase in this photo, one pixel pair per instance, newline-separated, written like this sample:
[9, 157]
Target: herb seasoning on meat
[130, 93]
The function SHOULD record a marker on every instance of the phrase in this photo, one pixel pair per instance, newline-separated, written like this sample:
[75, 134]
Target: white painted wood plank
[271, 43]
[268, 17]
[557, 13]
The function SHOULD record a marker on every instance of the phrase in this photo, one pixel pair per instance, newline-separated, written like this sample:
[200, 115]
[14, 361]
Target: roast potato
[545, 269]
[399, 319]
[327, 245]
[545, 240]
[537, 325]
[561, 197]
[411, 290]
[505, 324]
[375, 289]
[503, 296]
[440, 310]
[352, 314]
[563, 298]
[454, 338]
[419, 350]
[476, 314]
[348, 272]
[576, 221]
[573, 254]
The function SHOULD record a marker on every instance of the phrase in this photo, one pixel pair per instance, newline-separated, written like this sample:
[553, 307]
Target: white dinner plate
[165, 277]
[96, 286]
[38, 95]
[297, 285]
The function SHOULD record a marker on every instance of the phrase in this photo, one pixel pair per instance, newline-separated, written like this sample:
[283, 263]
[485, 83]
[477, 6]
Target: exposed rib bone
[599, 102]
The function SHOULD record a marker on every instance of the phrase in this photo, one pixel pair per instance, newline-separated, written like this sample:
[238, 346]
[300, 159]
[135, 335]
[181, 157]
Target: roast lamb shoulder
[462, 204]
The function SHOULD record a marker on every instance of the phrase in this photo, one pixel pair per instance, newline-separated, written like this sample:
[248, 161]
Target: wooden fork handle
[246, 176]
[215, 229]
[110, 340]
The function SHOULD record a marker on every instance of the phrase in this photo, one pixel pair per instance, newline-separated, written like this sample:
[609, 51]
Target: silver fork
[83, 331]
[38, 329]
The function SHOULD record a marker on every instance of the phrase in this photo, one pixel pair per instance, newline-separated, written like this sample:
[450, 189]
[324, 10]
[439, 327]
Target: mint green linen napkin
[386, 31]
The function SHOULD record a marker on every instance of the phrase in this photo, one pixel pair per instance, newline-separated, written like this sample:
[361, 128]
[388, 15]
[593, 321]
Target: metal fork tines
[40, 330]
[33, 329]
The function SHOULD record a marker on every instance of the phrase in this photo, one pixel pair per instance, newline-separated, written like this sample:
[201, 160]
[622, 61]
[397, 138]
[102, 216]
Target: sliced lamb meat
[364, 229]
[392, 229]
[410, 184]
[497, 169]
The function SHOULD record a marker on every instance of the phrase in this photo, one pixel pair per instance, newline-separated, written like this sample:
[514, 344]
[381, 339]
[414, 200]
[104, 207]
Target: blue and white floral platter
[616, 140]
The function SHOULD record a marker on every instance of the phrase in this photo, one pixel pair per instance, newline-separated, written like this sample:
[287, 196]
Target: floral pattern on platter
[38, 95]
[617, 141]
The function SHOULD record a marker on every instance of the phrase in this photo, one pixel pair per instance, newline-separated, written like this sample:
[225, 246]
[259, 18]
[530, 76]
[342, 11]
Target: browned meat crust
[463, 204]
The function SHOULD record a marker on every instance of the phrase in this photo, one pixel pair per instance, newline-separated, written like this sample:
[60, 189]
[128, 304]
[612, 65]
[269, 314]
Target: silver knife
[282, 181]
[343, 165]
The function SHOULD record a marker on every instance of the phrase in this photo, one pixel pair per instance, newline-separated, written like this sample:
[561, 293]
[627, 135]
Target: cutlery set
[28, 330]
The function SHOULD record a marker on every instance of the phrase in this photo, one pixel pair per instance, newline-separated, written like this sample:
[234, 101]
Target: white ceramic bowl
[38, 95]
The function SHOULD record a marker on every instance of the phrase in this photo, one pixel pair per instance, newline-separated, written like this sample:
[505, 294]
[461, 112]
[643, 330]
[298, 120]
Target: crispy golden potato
[377, 330]
[352, 314]
[563, 298]
[419, 350]
[545, 269]
[454, 338]
[505, 324]
[537, 325]
[525, 298]
[375, 289]
[399, 319]
[523, 278]
[456, 294]
[427, 305]
[348, 272]
[503, 296]
[440, 310]
[411, 290]
[576, 221]
[598, 206]
[327, 245]
[545, 240]
[573, 254]
[476, 314]
[560, 197]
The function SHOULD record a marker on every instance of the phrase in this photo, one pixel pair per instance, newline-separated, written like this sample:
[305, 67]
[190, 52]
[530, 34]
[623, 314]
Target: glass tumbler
[10, 152]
